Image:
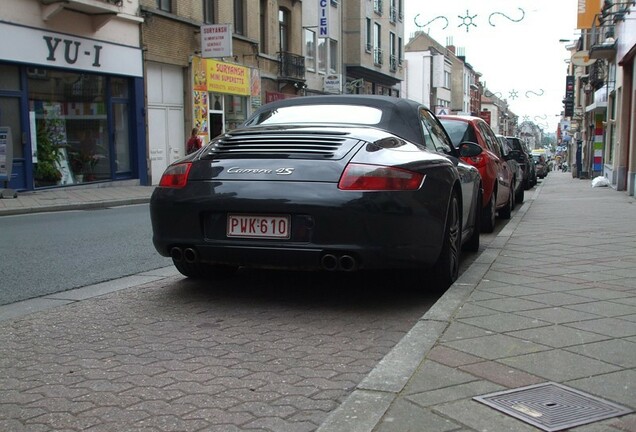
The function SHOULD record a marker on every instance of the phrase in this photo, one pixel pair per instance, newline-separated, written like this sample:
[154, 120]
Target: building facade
[600, 107]
[71, 93]
[429, 75]
[191, 86]
[439, 78]
[110, 90]
[373, 33]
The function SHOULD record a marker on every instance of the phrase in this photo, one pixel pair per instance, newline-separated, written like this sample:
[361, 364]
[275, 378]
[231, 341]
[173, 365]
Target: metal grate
[552, 407]
[316, 145]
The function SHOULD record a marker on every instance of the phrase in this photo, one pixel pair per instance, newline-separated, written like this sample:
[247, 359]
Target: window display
[69, 113]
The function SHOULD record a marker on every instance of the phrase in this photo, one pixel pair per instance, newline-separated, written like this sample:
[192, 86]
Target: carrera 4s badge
[277, 171]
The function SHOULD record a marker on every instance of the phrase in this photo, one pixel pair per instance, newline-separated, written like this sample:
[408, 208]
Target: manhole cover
[551, 406]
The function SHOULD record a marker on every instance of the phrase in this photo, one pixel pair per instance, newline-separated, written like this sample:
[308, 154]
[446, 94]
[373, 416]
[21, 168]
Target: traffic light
[568, 102]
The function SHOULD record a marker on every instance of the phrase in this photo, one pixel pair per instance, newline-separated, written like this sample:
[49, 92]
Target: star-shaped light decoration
[467, 20]
[513, 94]
[526, 118]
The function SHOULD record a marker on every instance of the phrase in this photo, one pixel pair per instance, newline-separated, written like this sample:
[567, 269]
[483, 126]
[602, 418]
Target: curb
[73, 206]
[364, 408]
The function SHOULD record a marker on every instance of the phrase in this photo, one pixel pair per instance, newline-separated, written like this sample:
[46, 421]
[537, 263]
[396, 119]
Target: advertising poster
[201, 111]
[199, 81]
[256, 88]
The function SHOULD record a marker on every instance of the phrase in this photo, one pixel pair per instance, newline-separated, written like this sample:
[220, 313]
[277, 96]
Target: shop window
[310, 50]
[119, 87]
[333, 56]
[122, 140]
[322, 55]
[68, 113]
[235, 111]
[10, 116]
[10, 77]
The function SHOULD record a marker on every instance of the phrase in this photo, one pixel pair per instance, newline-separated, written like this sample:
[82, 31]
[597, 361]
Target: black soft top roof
[399, 116]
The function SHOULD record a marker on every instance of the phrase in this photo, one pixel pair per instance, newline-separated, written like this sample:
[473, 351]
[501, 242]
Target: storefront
[224, 95]
[74, 107]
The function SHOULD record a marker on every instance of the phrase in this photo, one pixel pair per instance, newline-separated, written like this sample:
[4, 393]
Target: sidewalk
[551, 300]
[77, 197]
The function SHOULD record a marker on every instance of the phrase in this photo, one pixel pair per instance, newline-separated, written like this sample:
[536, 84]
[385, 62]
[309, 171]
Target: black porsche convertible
[323, 183]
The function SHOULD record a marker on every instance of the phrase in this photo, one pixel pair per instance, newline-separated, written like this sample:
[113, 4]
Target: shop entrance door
[165, 126]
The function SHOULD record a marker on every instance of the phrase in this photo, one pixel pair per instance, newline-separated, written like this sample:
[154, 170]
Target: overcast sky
[514, 44]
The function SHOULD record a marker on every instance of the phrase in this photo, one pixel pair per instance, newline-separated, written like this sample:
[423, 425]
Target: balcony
[292, 66]
[100, 11]
[393, 15]
[393, 63]
[602, 41]
[377, 7]
[378, 55]
[597, 75]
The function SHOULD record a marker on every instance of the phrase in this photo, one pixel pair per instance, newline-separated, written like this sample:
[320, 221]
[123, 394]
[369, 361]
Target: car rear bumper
[376, 230]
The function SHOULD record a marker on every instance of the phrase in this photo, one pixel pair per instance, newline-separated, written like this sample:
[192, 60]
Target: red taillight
[176, 176]
[476, 161]
[376, 178]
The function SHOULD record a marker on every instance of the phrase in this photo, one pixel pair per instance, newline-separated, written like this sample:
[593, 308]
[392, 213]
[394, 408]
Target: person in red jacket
[194, 142]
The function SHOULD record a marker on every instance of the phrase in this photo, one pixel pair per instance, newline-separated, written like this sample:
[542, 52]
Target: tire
[472, 244]
[506, 211]
[204, 271]
[446, 269]
[519, 197]
[488, 214]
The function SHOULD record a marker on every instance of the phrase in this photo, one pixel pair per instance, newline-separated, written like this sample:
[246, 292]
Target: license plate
[257, 226]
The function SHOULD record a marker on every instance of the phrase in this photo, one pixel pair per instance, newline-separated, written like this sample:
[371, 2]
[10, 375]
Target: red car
[497, 179]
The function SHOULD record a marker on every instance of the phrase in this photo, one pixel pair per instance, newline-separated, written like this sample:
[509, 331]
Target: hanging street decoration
[434, 19]
[488, 93]
[514, 94]
[467, 20]
[523, 14]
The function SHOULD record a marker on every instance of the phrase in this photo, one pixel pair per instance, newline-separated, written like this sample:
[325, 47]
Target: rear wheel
[506, 211]
[519, 197]
[197, 270]
[488, 214]
[447, 266]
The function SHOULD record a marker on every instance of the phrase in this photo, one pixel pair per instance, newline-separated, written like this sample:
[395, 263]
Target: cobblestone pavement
[262, 351]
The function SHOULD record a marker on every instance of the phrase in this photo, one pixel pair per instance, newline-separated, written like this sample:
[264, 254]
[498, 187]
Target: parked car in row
[515, 167]
[522, 155]
[331, 183]
[497, 177]
[540, 163]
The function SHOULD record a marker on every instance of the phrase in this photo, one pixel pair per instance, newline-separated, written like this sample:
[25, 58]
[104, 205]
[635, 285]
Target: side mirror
[469, 149]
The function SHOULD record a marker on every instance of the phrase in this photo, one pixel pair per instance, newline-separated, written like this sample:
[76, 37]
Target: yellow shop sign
[227, 78]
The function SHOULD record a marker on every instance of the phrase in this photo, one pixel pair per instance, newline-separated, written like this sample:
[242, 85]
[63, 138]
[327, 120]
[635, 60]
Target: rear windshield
[459, 131]
[342, 114]
[516, 144]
